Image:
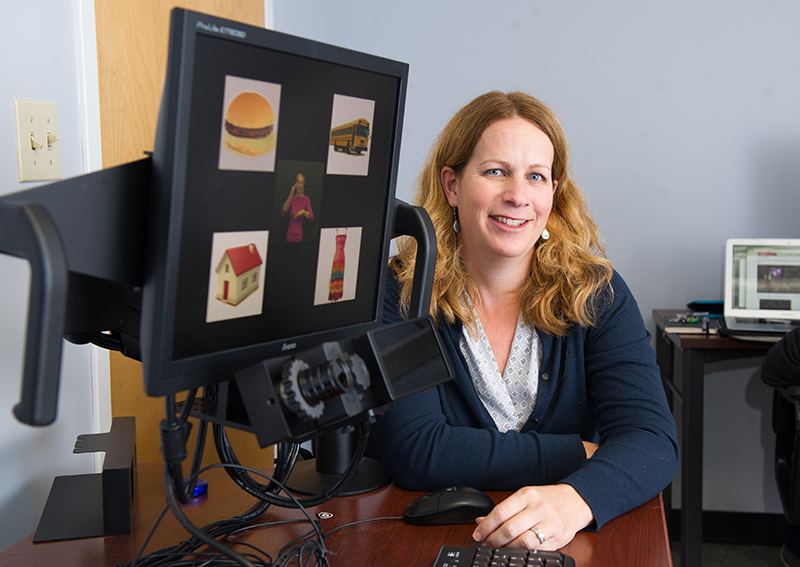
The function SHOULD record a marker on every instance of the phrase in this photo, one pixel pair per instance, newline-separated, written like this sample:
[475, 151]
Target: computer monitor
[253, 243]
[274, 172]
[762, 278]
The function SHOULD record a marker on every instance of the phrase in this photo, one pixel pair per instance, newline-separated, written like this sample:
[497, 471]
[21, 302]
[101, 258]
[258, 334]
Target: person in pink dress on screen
[298, 206]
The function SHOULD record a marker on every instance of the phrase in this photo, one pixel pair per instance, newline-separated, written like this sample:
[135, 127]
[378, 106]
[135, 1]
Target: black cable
[294, 499]
[325, 535]
[174, 432]
[285, 459]
[220, 546]
[221, 528]
[289, 546]
[287, 552]
[188, 404]
[248, 484]
[227, 455]
[311, 548]
[367, 521]
[316, 550]
[199, 448]
[266, 555]
[149, 536]
[194, 530]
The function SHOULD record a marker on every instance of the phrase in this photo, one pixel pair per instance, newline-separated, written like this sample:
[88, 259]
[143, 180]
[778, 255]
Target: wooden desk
[636, 538]
[682, 360]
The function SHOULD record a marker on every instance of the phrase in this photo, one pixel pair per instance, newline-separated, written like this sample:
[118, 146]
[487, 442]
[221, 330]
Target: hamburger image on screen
[249, 125]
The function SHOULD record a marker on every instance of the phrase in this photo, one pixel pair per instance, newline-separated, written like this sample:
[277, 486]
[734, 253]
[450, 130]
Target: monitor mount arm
[28, 231]
[92, 229]
[415, 222]
[87, 228]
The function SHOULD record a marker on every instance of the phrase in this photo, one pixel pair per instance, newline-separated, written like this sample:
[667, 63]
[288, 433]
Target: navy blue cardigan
[598, 384]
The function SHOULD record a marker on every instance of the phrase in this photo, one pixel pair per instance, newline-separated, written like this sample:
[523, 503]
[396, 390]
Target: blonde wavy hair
[566, 271]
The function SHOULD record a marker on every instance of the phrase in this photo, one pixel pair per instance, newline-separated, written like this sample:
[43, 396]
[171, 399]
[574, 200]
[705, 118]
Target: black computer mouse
[453, 505]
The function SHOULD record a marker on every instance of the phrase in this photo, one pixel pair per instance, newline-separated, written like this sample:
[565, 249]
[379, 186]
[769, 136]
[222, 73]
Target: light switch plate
[38, 144]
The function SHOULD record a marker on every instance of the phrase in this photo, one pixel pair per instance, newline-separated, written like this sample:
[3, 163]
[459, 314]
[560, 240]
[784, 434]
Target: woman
[556, 392]
[298, 205]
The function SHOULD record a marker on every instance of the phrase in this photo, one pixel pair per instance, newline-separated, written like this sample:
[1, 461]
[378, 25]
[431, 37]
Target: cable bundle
[215, 536]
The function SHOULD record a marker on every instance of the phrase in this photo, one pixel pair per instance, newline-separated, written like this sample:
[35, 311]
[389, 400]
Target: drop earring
[545, 234]
[456, 225]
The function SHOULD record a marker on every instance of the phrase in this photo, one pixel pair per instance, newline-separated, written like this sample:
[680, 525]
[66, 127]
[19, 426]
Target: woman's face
[504, 193]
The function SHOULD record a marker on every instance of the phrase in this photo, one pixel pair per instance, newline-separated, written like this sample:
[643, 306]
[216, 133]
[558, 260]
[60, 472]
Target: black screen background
[217, 200]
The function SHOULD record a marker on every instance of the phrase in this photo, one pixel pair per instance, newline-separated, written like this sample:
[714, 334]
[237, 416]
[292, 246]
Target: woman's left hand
[558, 512]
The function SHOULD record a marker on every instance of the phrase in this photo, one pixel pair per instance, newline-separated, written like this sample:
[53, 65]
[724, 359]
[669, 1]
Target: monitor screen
[273, 193]
[763, 278]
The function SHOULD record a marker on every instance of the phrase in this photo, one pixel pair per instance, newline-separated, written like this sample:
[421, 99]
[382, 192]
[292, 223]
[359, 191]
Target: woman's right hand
[558, 512]
[590, 448]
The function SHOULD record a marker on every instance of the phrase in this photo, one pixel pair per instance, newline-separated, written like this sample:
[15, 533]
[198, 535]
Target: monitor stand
[333, 453]
[97, 504]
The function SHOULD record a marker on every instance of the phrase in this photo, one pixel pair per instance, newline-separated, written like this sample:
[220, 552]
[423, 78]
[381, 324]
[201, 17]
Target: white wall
[40, 62]
[684, 128]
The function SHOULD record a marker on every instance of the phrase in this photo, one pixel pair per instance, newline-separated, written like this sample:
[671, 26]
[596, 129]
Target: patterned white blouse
[509, 397]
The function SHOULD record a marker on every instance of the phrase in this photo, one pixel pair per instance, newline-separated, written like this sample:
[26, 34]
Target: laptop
[762, 285]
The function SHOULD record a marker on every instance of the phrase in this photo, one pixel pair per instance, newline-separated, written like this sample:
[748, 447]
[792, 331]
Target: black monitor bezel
[163, 374]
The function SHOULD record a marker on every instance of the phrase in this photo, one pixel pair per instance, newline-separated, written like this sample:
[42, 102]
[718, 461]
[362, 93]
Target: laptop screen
[762, 278]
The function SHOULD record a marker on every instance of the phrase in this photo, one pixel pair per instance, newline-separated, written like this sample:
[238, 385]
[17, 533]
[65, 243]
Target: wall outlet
[38, 145]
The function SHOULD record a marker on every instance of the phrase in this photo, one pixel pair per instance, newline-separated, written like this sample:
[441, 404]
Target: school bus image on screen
[352, 137]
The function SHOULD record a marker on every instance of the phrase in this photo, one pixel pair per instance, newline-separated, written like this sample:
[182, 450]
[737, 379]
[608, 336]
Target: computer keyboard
[500, 556]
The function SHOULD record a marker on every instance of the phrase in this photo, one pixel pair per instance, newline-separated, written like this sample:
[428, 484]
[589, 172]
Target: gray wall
[684, 129]
[39, 63]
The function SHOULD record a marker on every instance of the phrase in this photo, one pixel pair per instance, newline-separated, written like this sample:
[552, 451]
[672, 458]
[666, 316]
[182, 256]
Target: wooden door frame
[92, 160]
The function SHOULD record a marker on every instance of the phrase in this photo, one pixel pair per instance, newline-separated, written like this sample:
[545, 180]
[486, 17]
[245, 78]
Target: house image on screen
[238, 274]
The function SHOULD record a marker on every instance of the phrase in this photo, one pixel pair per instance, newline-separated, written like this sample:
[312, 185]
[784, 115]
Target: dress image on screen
[337, 267]
[249, 130]
[336, 285]
[236, 278]
[351, 135]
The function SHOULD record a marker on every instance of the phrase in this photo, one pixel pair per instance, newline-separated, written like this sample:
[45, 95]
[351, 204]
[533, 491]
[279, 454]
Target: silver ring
[539, 534]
